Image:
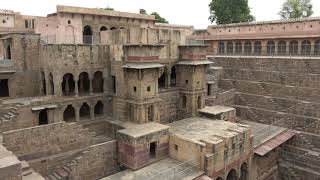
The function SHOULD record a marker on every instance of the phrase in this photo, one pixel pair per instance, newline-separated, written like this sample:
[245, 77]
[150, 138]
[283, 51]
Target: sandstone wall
[169, 106]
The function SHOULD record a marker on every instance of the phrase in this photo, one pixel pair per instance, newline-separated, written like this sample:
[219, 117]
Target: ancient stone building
[97, 94]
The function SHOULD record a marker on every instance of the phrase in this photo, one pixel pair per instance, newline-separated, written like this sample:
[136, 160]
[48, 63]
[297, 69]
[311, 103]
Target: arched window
[282, 47]
[230, 48]
[122, 28]
[84, 83]
[247, 47]
[184, 102]
[68, 85]
[85, 111]
[97, 82]
[271, 48]
[221, 47]
[113, 28]
[87, 35]
[238, 48]
[173, 76]
[244, 172]
[8, 52]
[43, 85]
[51, 84]
[162, 79]
[305, 47]
[293, 47]
[103, 28]
[69, 114]
[199, 102]
[317, 48]
[232, 175]
[98, 109]
[257, 47]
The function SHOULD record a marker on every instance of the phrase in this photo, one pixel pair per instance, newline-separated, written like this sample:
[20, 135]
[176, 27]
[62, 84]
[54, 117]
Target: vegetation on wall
[230, 11]
[296, 9]
[159, 19]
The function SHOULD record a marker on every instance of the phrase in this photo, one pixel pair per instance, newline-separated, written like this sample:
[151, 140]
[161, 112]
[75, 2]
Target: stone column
[168, 79]
[91, 85]
[91, 112]
[80, 85]
[276, 47]
[76, 88]
[313, 43]
[67, 89]
[57, 85]
[299, 47]
[77, 113]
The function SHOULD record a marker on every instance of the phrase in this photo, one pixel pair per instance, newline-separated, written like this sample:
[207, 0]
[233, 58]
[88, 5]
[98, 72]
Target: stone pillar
[77, 113]
[67, 89]
[313, 43]
[76, 88]
[57, 85]
[276, 47]
[90, 85]
[168, 79]
[299, 47]
[91, 112]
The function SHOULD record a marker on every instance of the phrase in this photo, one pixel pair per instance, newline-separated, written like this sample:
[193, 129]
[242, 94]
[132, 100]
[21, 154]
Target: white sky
[185, 12]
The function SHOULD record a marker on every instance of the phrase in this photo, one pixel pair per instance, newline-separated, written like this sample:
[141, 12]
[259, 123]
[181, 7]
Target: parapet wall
[40, 141]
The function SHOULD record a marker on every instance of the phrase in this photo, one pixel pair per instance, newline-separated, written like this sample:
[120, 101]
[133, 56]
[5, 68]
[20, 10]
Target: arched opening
[219, 178]
[184, 102]
[51, 85]
[257, 47]
[199, 102]
[43, 84]
[103, 28]
[121, 28]
[97, 82]
[282, 47]
[173, 77]
[238, 48]
[150, 113]
[87, 35]
[98, 109]
[84, 83]
[85, 111]
[113, 28]
[68, 85]
[43, 117]
[317, 48]
[230, 48]
[162, 80]
[244, 172]
[8, 52]
[69, 114]
[247, 47]
[271, 47]
[221, 47]
[4, 88]
[305, 47]
[232, 175]
[293, 47]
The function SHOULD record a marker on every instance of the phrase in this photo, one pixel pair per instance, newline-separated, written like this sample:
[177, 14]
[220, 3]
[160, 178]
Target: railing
[194, 42]
[304, 51]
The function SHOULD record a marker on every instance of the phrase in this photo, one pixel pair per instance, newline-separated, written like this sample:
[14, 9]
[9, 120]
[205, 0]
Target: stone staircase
[8, 113]
[252, 113]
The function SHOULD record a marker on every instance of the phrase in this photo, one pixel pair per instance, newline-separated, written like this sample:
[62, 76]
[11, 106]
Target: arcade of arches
[168, 78]
[270, 47]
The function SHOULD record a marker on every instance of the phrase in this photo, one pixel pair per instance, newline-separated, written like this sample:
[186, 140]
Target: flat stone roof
[215, 109]
[142, 65]
[139, 130]
[263, 132]
[195, 63]
[102, 12]
[198, 129]
[159, 171]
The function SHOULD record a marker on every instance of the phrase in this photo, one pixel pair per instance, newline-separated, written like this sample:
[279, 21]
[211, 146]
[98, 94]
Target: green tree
[230, 11]
[296, 9]
[142, 11]
[159, 19]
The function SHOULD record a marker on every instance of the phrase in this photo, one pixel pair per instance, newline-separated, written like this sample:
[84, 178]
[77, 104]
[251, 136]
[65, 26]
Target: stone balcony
[6, 66]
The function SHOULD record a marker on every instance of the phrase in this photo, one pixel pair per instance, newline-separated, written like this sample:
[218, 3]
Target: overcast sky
[185, 12]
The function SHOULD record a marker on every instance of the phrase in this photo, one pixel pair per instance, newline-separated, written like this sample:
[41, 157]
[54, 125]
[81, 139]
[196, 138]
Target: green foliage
[230, 11]
[108, 8]
[159, 19]
[296, 9]
[142, 11]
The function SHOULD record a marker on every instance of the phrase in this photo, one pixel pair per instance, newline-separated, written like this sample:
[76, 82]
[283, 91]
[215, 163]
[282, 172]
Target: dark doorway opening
[69, 114]
[232, 175]
[152, 150]
[114, 88]
[209, 89]
[173, 76]
[162, 81]
[87, 35]
[84, 83]
[85, 111]
[8, 52]
[4, 89]
[98, 109]
[43, 117]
